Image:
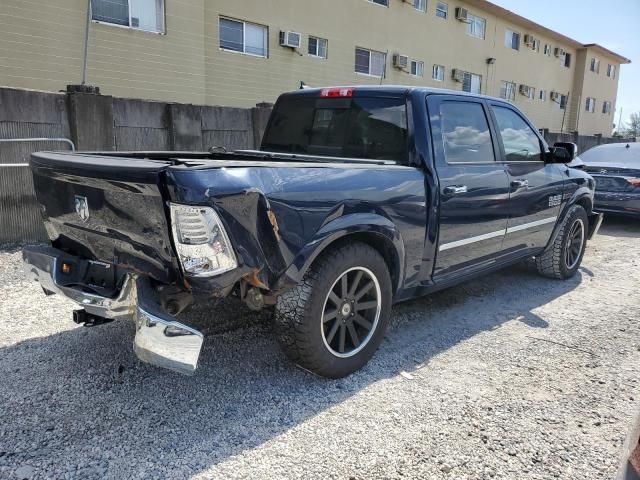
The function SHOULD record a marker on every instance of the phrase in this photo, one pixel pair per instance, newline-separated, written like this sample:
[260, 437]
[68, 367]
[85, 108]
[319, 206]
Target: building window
[476, 26]
[606, 107]
[512, 40]
[417, 68]
[318, 47]
[437, 73]
[384, 3]
[508, 91]
[542, 95]
[531, 94]
[442, 10]
[566, 60]
[595, 65]
[563, 102]
[420, 5]
[471, 83]
[590, 104]
[243, 37]
[611, 71]
[147, 15]
[370, 62]
[536, 46]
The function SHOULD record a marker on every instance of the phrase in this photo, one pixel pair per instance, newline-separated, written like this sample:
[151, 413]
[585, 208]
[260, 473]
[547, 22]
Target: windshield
[372, 128]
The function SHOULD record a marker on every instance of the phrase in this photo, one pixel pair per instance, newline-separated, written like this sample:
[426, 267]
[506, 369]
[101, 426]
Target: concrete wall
[101, 122]
[41, 45]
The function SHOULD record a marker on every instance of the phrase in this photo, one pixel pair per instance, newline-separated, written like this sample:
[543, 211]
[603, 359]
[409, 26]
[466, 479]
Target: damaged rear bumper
[160, 340]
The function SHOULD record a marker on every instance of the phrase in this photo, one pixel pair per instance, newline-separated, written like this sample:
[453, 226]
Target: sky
[614, 24]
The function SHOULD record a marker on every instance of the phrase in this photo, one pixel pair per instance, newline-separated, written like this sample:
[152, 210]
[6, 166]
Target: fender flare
[357, 223]
[576, 197]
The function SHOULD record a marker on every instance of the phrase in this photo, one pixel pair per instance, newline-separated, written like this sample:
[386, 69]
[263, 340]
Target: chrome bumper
[160, 340]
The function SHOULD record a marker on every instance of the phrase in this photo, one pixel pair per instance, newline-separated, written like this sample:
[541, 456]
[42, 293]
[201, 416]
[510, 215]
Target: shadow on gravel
[82, 395]
[620, 226]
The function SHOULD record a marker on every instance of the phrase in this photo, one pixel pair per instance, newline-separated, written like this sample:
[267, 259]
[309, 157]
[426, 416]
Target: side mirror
[570, 147]
[559, 155]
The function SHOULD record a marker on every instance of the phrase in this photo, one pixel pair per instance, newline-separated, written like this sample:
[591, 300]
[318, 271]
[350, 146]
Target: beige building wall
[41, 45]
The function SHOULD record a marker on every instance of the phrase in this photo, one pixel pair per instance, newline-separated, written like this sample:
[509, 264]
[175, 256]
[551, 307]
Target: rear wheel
[334, 320]
[563, 257]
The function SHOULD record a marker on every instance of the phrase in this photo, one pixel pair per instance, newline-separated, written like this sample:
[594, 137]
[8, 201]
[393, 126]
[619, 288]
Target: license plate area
[100, 278]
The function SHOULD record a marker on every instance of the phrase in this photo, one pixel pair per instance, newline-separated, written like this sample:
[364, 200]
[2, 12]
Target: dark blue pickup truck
[358, 198]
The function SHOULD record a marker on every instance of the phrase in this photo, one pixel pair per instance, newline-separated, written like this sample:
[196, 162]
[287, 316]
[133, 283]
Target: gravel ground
[511, 376]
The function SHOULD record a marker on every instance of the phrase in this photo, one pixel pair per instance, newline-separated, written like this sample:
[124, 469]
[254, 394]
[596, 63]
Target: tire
[563, 257]
[316, 327]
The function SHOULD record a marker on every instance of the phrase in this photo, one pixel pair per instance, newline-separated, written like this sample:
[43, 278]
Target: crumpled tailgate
[106, 209]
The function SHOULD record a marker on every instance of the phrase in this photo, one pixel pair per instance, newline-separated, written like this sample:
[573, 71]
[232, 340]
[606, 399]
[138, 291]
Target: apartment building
[241, 52]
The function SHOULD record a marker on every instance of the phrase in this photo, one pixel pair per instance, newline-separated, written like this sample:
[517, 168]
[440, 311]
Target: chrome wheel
[351, 312]
[574, 245]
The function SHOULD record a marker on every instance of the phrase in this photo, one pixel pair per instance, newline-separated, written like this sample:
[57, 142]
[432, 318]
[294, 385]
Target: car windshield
[618, 153]
[360, 127]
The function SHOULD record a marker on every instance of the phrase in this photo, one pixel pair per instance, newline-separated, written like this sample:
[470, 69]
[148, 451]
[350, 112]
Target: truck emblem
[82, 208]
[603, 171]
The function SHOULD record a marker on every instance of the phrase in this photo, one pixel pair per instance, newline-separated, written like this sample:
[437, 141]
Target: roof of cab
[387, 90]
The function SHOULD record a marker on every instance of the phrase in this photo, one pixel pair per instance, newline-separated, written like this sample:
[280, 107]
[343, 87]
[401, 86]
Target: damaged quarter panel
[281, 215]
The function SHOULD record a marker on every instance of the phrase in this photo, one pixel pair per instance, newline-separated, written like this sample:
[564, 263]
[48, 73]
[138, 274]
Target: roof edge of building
[501, 11]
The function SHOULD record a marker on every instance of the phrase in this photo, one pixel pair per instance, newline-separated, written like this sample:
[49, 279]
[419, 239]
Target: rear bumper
[617, 202]
[160, 340]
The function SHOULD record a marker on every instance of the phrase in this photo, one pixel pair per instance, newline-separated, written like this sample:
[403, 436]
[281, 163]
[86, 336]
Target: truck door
[474, 187]
[536, 187]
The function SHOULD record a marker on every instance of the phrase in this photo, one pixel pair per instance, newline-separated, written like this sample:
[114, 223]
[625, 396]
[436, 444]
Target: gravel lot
[467, 384]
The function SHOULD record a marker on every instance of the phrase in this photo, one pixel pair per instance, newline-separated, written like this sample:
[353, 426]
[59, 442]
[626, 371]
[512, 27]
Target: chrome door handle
[520, 183]
[455, 189]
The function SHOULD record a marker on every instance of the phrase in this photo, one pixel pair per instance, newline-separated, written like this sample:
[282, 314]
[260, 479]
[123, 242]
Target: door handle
[455, 189]
[520, 184]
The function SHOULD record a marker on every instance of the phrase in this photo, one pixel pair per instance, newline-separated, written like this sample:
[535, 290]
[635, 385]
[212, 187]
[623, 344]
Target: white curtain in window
[255, 38]
[147, 15]
[378, 61]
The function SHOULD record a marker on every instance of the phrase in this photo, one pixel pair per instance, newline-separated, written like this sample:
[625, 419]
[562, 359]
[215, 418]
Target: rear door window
[358, 127]
[519, 140]
[465, 133]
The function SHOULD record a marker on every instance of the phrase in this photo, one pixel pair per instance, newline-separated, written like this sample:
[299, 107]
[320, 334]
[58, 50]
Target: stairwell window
[370, 62]
[563, 102]
[606, 107]
[566, 61]
[243, 37]
[146, 15]
[437, 73]
[442, 10]
[611, 71]
[512, 40]
[590, 104]
[508, 91]
[476, 26]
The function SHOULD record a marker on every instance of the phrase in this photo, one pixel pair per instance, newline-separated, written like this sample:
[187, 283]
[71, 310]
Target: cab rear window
[355, 127]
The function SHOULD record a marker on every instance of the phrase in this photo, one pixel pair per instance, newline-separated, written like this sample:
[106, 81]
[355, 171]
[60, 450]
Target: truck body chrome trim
[497, 233]
[160, 340]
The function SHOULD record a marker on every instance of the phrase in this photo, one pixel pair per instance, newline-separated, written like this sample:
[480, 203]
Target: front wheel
[563, 257]
[334, 320]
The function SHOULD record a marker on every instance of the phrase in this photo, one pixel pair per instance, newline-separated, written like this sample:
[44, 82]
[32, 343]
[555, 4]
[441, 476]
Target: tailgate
[107, 209]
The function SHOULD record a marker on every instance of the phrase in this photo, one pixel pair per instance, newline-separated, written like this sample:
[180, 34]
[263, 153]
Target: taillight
[634, 181]
[201, 241]
[336, 92]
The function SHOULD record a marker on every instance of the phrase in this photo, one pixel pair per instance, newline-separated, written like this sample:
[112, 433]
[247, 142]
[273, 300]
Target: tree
[634, 125]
